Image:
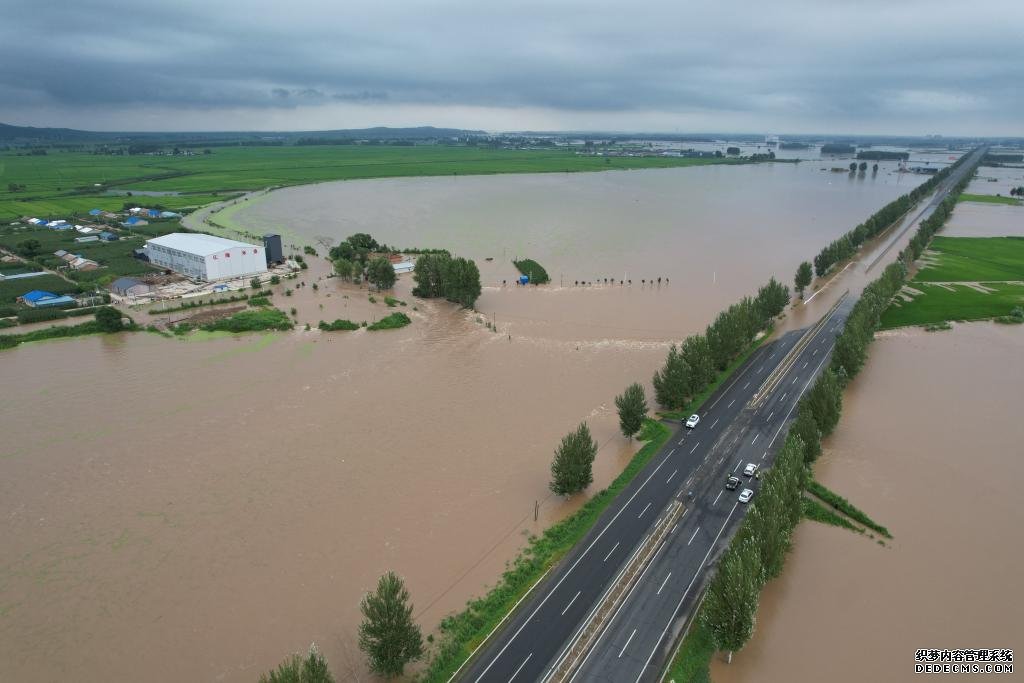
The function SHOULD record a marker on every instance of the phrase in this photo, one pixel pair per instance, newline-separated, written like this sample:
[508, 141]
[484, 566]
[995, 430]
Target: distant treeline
[847, 245]
[837, 148]
[1004, 158]
[879, 155]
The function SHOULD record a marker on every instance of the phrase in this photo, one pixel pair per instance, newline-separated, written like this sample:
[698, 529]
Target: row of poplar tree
[758, 550]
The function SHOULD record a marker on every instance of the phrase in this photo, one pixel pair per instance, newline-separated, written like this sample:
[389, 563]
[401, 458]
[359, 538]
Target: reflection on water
[198, 509]
[928, 445]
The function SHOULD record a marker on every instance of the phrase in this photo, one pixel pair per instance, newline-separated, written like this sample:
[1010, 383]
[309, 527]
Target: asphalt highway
[692, 468]
[534, 638]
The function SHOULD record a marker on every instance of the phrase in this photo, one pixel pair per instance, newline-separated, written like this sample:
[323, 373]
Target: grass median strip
[461, 633]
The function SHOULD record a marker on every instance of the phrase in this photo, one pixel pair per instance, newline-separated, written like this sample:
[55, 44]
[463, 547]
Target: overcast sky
[773, 66]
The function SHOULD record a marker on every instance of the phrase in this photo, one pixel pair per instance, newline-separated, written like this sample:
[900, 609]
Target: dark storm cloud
[798, 61]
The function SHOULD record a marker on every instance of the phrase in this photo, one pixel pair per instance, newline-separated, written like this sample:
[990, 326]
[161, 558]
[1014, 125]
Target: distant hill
[30, 134]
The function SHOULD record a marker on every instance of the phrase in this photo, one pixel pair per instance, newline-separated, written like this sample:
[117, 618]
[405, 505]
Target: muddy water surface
[194, 510]
[713, 234]
[929, 446]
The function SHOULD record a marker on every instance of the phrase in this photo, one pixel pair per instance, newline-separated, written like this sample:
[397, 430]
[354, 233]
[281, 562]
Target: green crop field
[988, 199]
[975, 259]
[61, 183]
[963, 303]
[995, 262]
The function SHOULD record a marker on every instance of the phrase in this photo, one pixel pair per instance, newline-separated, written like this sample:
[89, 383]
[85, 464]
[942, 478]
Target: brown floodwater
[713, 234]
[976, 219]
[198, 509]
[929, 446]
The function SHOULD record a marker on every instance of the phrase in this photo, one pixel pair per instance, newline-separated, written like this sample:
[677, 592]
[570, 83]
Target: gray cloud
[872, 66]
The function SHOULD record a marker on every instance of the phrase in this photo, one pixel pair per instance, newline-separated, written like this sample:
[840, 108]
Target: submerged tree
[296, 669]
[803, 278]
[672, 382]
[632, 405]
[572, 467]
[388, 635]
[381, 273]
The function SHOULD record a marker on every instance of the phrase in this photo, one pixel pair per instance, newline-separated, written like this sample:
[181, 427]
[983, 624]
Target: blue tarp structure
[95, 212]
[524, 280]
[133, 220]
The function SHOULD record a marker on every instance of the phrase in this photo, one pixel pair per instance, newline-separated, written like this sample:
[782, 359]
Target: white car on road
[692, 422]
[749, 470]
[746, 495]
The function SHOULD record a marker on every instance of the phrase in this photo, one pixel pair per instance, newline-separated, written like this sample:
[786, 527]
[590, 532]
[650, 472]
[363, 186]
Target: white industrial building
[206, 257]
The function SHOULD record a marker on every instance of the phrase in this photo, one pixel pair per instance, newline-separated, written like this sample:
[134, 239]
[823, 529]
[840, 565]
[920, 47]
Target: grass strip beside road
[462, 633]
[703, 396]
[988, 199]
[692, 660]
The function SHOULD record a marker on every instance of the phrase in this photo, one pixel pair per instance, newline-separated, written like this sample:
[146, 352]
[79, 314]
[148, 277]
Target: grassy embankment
[61, 184]
[461, 633]
[996, 263]
[988, 199]
[533, 270]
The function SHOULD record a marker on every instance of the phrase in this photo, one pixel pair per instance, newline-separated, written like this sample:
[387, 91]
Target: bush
[339, 324]
[252, 321]
[109, 319]
[34, 315]
[391, 322]
[533, 270]
[259, 301]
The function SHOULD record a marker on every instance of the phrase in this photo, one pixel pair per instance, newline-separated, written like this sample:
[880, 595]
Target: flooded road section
[928, 445]
[713, 234]
[196, 510]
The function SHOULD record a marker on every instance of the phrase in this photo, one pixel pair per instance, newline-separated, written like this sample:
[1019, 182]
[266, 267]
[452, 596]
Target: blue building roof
[95, 212]
[37, 295]
[153, 213]
[132, 221]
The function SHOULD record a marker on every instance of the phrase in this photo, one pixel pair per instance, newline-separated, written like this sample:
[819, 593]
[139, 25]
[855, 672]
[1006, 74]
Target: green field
[12, 289]
[963, 303]
[115, 256]
[975, 259]
[995, 262]
[988, 199]
[61, 183]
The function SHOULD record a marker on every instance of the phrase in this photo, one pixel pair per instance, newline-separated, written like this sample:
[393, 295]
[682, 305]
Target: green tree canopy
[572, 467]
[296, 669]
[672, 381]
[343, 268]
[804, 274]
[730, 603]
[632, 405]
[388, 635]
[381, 273]
[109, 319]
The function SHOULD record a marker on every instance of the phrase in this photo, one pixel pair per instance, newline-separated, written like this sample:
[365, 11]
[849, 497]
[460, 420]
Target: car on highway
[732, 482]
[749, 470]
[746, 495]
[692, 422]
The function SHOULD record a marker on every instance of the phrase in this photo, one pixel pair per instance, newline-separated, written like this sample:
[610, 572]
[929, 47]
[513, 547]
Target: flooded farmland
[198, 509]
[928, 446]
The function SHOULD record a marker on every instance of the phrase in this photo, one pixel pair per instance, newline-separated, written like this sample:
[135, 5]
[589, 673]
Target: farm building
[129, 286]
[206, 257]
[403, 267]
[37, 298]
